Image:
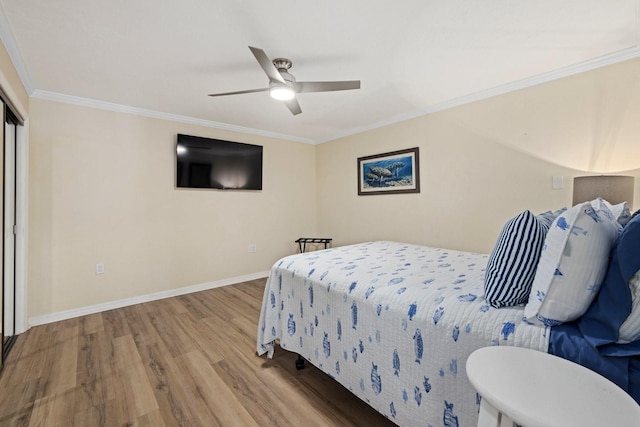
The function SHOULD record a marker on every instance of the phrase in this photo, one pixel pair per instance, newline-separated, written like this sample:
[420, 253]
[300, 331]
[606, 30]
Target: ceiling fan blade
[266, 64]
[302, 87]
[293, 106]
[239, 92]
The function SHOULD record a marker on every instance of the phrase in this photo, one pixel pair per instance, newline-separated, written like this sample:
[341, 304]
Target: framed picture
[387, 173]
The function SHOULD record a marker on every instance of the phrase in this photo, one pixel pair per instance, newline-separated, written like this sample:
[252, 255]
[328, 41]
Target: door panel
[4, 299]
[11, 131]
[9, 236]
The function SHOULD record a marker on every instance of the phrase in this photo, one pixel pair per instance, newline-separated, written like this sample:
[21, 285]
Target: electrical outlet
[252, 248]
[100, 268]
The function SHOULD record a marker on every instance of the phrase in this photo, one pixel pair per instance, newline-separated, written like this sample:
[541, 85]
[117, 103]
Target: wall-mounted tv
[214, 163]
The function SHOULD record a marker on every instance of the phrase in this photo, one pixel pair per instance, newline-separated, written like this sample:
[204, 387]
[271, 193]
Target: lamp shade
[613, 189]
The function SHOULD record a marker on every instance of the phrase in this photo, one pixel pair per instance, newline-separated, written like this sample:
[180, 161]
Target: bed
[394, 323]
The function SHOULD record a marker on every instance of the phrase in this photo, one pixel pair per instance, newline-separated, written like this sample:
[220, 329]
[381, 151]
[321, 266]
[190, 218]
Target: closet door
[9, 221]
[8, 175]
[5, 301]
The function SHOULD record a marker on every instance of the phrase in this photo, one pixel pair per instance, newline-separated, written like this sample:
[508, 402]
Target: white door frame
[22, 221]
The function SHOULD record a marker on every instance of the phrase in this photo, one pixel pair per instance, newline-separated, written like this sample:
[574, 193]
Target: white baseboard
[83, 311]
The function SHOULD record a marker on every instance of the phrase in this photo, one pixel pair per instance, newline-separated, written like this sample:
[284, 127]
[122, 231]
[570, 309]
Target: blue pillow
[513, 261]
[611, 307]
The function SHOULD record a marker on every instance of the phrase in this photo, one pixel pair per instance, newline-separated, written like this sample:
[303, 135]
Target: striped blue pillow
[512, 264]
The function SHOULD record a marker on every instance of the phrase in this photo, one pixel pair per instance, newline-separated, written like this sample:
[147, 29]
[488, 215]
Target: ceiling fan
[283, 85]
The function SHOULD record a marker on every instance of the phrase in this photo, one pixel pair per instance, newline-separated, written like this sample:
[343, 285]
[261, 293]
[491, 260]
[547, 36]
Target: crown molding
[120, 108]
[610, 59]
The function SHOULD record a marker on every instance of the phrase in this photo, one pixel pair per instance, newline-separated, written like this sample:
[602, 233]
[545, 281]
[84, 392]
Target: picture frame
[395, 172]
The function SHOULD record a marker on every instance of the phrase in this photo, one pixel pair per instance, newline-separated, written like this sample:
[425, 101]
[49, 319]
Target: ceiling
[413, 57]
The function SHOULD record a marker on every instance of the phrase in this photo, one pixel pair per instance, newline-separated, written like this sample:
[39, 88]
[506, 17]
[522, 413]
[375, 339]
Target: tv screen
[214, 163]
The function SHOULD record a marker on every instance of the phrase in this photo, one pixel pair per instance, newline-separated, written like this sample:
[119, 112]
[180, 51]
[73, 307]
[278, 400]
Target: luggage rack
[302, 242]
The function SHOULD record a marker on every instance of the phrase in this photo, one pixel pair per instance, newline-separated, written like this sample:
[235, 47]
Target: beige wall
[484, 162]
[102, 189]
[469, 187]
[11, 84]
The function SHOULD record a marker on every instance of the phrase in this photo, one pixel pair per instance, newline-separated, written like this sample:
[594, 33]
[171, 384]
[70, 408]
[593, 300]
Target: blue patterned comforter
[392, 322]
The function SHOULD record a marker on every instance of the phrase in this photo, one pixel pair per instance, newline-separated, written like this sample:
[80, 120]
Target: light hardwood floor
[182, 361]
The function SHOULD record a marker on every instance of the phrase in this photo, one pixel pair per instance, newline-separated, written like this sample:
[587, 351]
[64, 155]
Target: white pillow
[630, 329]
[573, 263]
[620, 212]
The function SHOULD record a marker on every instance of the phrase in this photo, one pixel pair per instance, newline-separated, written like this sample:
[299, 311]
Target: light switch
[558, 182]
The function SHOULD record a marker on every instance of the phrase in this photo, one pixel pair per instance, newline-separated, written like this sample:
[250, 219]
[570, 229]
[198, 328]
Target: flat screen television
[215, 163]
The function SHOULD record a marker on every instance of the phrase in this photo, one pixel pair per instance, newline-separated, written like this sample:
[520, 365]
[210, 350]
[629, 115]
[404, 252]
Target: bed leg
[299, 363]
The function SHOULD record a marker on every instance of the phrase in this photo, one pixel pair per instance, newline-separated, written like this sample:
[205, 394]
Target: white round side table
[536, 389]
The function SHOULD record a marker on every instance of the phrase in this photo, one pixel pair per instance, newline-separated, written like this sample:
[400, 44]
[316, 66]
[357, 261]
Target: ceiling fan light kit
[281, 92]
[283, 85]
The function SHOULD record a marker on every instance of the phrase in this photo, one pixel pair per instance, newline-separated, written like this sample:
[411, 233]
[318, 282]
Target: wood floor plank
[61, 362]
[152, 419]
[207, 343]
[197, 305]
[215, 394]
[237, 302]
[169, 387]
[139, 391]
[18, 404]
[91, 380]
[33, 355]
[92, 416]
[91, 323]
[118, 411]
[184, 361]
[171, 335]
[125, 353]
[52, 407]
[270, 398]
[115, 322]
[140, 325]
